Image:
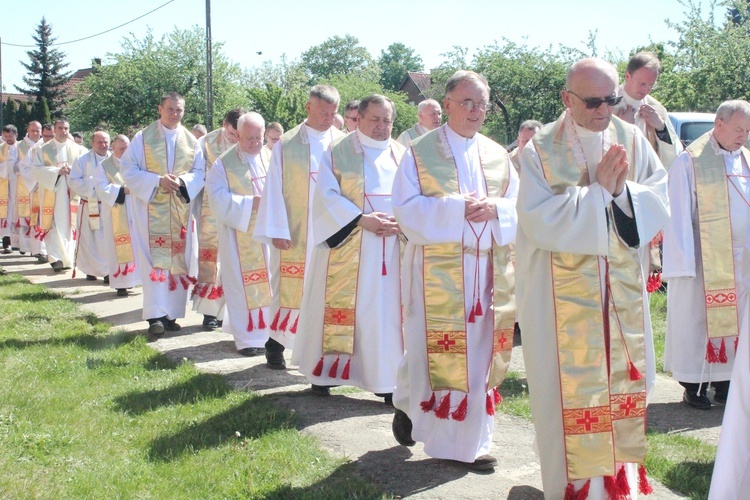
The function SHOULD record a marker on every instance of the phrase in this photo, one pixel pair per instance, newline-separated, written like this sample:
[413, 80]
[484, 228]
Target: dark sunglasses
[595, 102]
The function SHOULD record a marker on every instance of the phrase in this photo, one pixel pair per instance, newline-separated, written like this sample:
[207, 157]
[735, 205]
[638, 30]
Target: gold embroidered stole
[120, 228]
[603, 408]
[714, 220]
[47, 197]
[343, 261]
[250, 252]
[23, 196]
[93, 200]
[4, 183]
[213, 146]
[168, 213]
[443, 270]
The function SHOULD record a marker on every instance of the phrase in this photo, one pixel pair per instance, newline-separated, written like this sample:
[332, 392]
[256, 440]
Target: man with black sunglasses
[593, 193]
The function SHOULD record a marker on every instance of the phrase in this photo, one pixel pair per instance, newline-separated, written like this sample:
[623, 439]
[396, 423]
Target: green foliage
[40, 111]
[10, 113]
[339, 56]
[395, 62]
[682, 463]
[46, 77]
[123, 96]
[276, 104]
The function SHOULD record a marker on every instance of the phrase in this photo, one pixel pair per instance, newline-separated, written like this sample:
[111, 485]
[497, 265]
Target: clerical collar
[100, 157]
[369, 142]
[586, 134]
[318, 134]
[719, 149]
[168, 131]
[634, 103]
[455, 137]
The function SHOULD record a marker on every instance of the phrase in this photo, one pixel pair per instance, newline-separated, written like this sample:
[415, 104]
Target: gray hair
[376, 99]
[463, 75]
[251, 118]
[728, 108]
[530, 125]
[325, 93]
[121, 138]
[200, 128]
[427, 102]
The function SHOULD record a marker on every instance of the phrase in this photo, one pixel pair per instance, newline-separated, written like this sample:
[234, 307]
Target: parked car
[690, 126]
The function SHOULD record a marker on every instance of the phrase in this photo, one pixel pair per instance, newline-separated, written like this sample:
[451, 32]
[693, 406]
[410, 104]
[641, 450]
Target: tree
[123, 96]
[339, 56]
[277, 104]
[40, 111]
[395, 63]
[46, 78]
[10, 113]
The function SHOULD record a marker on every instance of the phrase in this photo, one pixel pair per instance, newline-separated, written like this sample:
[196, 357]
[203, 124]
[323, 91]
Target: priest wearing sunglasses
[593, 193]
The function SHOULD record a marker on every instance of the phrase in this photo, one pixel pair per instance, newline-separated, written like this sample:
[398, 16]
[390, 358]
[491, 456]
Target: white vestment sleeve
[679, 245]
[196, 177]
[504, 227]
[24, 167]
[106, 191]
[44, 175]
[232, 210]
[331, 211]
[78, 181]
[423, 219]
[142, 183]
[272, 219]
[648, 192]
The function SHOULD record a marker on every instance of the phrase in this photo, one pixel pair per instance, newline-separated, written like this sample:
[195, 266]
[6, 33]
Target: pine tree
[10, 114]
[46, 78]
[40, 111]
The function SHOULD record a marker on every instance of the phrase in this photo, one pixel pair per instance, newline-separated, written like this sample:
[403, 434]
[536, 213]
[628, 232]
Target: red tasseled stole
[124, 270]
[276, 326]
[493, 399]
[333, 371]
[712, 356]
[617, 487]
[654, 282]
[443, 409]
[582, 494]
[261, 321]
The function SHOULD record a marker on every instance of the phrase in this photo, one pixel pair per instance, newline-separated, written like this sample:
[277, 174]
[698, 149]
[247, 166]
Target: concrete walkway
[357, 425]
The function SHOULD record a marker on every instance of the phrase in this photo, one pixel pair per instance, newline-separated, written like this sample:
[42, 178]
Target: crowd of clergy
[406, 267]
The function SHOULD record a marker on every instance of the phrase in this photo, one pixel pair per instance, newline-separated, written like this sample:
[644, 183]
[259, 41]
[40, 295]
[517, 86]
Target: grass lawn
[681, 463]
[89, 412]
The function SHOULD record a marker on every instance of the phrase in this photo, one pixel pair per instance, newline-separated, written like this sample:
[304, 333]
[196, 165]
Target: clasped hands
[379, 223]
[612, 171]
[646, 112]
[169, 183]
[479, 209]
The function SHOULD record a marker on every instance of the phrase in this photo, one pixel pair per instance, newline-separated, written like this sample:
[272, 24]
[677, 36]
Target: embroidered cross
[159, 241]
[338, 316]
[628, 405]
[501, 341]
[446, 343]
[587, 420]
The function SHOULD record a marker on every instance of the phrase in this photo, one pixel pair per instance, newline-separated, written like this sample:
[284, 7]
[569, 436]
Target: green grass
[658, 306]
[89, 412]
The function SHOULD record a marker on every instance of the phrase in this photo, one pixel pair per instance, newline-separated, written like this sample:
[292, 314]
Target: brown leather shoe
[483, 463]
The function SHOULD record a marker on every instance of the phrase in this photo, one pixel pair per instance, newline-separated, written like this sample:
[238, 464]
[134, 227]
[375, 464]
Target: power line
[95, 35]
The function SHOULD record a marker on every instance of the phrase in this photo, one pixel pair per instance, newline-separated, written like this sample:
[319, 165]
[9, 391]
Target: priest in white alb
[593, 194]
[454, 197]
[164, 170]
[350, 322]
[284, 216]
[10, 156]
[429, 117]
[26, 189]
[234, 186]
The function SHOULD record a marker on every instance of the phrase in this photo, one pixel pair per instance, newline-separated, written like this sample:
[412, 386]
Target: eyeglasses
[352, 118]
[595, 102]
[470, 105]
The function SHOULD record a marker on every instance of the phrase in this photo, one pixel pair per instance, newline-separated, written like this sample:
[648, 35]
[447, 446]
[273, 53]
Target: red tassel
[622, 482]
[570, 492]
[261, 323]
[489, 406]
[478, 309]
[736, 341]
[221, 291]
[443, 410]
[190, 278]
[711, 354]
[74, 273]
[294, 326]
[460, 414]
[428, 405]
[214, 295]
[383, 271]
[318, 368]
[154, 276]
[497, 396]
[345, 373]
[643, 486]
[471, 316]
[163, 276]
[183, 232]
[115, 275]
[202, 291]
[172, 283]
[285, 322]
[275, 322]
[18, 223]
[249, 321]
[634, 373]
[654, 282]
[610, 486]
[583, 493]
[125, 270]
[334, 368]
[185, 283]
[723, 352]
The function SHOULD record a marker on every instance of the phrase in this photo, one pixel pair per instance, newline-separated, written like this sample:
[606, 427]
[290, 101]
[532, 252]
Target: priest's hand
[64, 169]
[626, 113]
[282, 244]
[613, 170]
[479, 210]
[169, 183]
[650, 116]
[256, 203]
[126, 189]
[379, 223]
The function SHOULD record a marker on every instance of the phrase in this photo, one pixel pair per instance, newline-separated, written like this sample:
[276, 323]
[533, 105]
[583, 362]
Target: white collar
[369, 142]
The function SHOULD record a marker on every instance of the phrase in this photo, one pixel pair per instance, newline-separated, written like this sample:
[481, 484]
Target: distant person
[199, 130]
[25, 189]
[351, 115]
[274, 131]
[429, 117]
[10, 156]
[48, 132]
[525, 132]
[77, 138]
[338, 121]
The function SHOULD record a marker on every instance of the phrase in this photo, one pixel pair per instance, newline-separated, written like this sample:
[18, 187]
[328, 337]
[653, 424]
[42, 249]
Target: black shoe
[171, 325]
[22, 253]
[387, 397]
[483, 463]
[106, 280]
[7, 251]
[57, 266]
[90, 278]
[155, 327]
[721, 389]
[720, 399]
[275, 360]
[42, 259]
[122, 292]
[209, 323]
[401, 428]
[320, 390]
[251, 351]
[701, 402]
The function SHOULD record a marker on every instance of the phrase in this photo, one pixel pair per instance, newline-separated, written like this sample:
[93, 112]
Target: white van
[690, 126]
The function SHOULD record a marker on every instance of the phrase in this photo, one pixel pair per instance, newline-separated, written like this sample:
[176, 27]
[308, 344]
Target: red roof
[421, 80]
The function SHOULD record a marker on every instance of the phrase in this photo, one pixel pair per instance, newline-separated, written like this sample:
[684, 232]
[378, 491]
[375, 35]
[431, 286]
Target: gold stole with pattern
[339, 318]
[443, 278]
[47, 197]
[601, 357]
[23, 196]
[4, 185]
[93, 200]
[714, 220]
[250, 252]
[120, 228]
[168, 213]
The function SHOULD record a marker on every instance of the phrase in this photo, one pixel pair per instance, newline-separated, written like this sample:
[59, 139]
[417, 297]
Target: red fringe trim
[345, 373]
[711, 354]
[427, 406]
[333, 372]
[318, 368]
[215, 293]
[489, 406]
[478, 309]
[736, 341]
[643, 485]
[496, 396]
[74, 273]
[116, 274]
[622, 482]
[154, 275]
[460, 414]
[261, 323]
[383, 271]
[583, 493]
[249, 321]
[444, 408]
[654, 282]
[275, 322]
[723, 352]
[185, 282]
[183, 232]
[285, 322]
[610, 486]
[471, 316]
[172, 283]
[294, 326]
[634, 373]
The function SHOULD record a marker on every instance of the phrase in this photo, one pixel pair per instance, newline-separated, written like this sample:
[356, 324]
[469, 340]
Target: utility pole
[209, 72]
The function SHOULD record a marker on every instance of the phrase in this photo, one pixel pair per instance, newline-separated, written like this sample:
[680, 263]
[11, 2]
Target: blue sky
[247, 27]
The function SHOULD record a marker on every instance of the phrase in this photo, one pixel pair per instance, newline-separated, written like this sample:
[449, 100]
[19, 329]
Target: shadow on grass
[669, 417]
[91, 340]
[514, 387]
[201, 387]
[155, 362]
[690, 478]
[36, 296]
[253, 418]
[344, 483]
